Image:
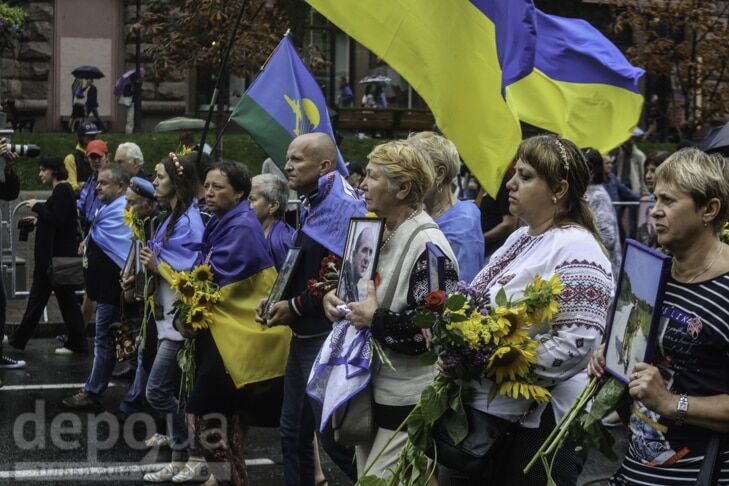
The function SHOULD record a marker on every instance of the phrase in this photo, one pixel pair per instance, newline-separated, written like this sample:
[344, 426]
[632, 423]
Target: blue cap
[142, 186]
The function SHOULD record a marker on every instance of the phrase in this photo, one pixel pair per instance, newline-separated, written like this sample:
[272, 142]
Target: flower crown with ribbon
[176, 162]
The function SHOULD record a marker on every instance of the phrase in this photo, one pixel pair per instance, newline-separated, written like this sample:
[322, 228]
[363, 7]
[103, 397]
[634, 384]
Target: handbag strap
[708, 469]
[392, 285]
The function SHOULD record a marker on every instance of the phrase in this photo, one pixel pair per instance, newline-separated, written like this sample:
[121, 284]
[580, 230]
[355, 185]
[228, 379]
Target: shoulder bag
[354, 423]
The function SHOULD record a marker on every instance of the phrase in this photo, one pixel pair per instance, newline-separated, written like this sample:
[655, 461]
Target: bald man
[328, 204]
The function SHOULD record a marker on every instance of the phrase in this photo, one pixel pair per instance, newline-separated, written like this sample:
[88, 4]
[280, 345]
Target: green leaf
[457, 317]
[428, 358]
[433, 404]
[455, 302]
[456, 423]
[501, 299]
[371, 481]
[424, 320]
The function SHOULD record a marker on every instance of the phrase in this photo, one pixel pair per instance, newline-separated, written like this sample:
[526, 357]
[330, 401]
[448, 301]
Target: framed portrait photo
[360, 258]
[436, 267]
[283, 279]
[633, 327]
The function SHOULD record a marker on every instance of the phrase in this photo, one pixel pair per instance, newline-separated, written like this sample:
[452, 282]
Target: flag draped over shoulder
[109, 231]
[250, 351]
[452, 53]
[173, 254]
[582, 86]
[284, 102]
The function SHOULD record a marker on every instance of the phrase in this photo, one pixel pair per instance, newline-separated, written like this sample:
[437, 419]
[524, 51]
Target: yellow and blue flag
[582, 87]
[459, 55]
[284, 102]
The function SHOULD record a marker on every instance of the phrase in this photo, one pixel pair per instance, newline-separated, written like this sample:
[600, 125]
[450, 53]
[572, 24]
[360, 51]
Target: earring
[439, 187]
[706, 224]
[554, 199]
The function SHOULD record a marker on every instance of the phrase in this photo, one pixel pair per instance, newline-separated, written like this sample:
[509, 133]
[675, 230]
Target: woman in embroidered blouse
[559, 236]
[681, 400]
[397, 178]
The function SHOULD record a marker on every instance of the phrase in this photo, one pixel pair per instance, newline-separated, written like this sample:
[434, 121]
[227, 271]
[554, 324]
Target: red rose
[435, 301]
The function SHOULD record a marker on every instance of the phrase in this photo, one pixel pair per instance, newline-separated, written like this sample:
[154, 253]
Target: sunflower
[510, 361]
[129, 216]
[199, 317]
[202, 299]
[542, 313]
[184, 287]
[202, 273]
[471, 329]
[516, 389]
[510, 326]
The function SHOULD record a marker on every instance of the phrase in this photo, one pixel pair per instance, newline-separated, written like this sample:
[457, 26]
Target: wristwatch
[681, 409]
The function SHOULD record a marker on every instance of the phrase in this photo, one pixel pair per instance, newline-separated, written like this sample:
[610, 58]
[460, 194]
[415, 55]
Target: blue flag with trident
[282, 103]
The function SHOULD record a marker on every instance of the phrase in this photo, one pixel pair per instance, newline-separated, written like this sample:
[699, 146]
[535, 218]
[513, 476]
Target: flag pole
[223, 63]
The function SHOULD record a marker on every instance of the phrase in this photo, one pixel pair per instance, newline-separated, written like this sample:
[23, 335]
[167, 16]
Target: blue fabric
[104, 359]
[133, 400]
[142, 186]
[326, 218]
[88, 202]
[619, 191]
[222, 242]
[110, 233]
[178, 250]
[461, 225]
[288, 92]
[279, 239]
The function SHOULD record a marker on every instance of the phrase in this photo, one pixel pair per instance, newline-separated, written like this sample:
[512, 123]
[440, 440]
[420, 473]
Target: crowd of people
[553, 214]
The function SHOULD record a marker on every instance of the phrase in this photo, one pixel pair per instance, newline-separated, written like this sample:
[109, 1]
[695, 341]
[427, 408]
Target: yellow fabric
[590, 114]
[432, 43]
[251, 352]
[70, 163]
[166, 272]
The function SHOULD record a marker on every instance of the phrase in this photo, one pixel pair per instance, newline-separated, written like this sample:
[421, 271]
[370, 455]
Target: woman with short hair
[681, 399]
[56, 236]
[268, 198]
[397, 179]
[559, 236]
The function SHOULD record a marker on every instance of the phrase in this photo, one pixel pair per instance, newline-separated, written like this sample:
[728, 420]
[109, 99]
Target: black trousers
[3, 309]
[40, 292]
[516, 454]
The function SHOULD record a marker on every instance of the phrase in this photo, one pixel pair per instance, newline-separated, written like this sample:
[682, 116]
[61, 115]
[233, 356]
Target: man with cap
[97, 153]
[139, 197]
[76, 164]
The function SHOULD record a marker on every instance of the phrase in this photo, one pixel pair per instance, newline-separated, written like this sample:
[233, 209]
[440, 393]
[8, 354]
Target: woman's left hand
[147, 258]
[363, 312]
[647, 385]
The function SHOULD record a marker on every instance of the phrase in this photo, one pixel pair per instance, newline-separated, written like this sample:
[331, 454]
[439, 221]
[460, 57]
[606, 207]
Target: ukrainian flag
[236, 248]
[459, 56]
[582, 87]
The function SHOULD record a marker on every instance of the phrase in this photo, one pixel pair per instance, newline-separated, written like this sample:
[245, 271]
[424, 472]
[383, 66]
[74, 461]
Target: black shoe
[10, 363]
[125, 372]
[12, 342]
[82, 401]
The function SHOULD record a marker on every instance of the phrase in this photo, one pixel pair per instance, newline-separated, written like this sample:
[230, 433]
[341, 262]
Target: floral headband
[562, 154]
[176, 162]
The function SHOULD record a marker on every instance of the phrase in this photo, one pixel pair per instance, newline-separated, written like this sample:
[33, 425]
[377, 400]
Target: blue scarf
[326, 218]
[110, 233]
[88, 201]
[279, 239]
[173, 251]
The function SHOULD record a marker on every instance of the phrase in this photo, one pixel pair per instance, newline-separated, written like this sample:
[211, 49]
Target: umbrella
[717, 140]
[180, 123]
[378, 78]
[87, 72]
[125, 79]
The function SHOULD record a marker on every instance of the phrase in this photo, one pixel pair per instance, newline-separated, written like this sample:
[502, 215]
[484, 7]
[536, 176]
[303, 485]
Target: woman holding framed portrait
[680, 414]
[397, 178]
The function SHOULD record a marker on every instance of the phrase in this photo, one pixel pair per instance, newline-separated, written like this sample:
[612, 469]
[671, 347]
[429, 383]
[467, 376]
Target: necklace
[389, 237]
[706, 269]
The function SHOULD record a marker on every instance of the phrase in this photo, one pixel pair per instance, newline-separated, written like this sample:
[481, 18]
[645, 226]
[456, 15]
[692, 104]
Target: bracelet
[681, 409]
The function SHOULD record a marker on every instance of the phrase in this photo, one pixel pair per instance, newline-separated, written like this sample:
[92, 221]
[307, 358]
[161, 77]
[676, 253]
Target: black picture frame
[283, 279]
[634, 320]
[436, 267]
[349, 287]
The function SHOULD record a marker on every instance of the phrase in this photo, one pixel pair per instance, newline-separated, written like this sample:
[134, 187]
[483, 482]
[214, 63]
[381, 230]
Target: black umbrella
[717, 140]
[87, 72]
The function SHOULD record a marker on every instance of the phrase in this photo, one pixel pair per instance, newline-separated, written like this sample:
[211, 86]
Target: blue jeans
[163, 387]
[134, 399]
[104, 359]
[299, 420]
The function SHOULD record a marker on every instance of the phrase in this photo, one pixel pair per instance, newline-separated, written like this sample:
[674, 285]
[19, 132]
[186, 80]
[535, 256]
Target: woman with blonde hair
[559, 236]
[680, 409]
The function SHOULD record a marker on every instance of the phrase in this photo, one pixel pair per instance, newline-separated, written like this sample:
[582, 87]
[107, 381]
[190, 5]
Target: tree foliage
[11, 21]
[687, 41]
[194, 33]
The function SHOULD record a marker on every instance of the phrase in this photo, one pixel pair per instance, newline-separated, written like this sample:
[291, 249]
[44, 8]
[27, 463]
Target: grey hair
[134, 153]
[119, 175]
[272, 189]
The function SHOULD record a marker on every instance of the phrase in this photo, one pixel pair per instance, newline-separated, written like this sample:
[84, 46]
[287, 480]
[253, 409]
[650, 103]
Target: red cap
[97, 147]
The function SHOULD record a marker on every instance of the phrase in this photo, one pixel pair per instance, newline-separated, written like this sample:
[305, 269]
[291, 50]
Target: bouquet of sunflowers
[473, 340]
[196, 293]
[135, 223]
